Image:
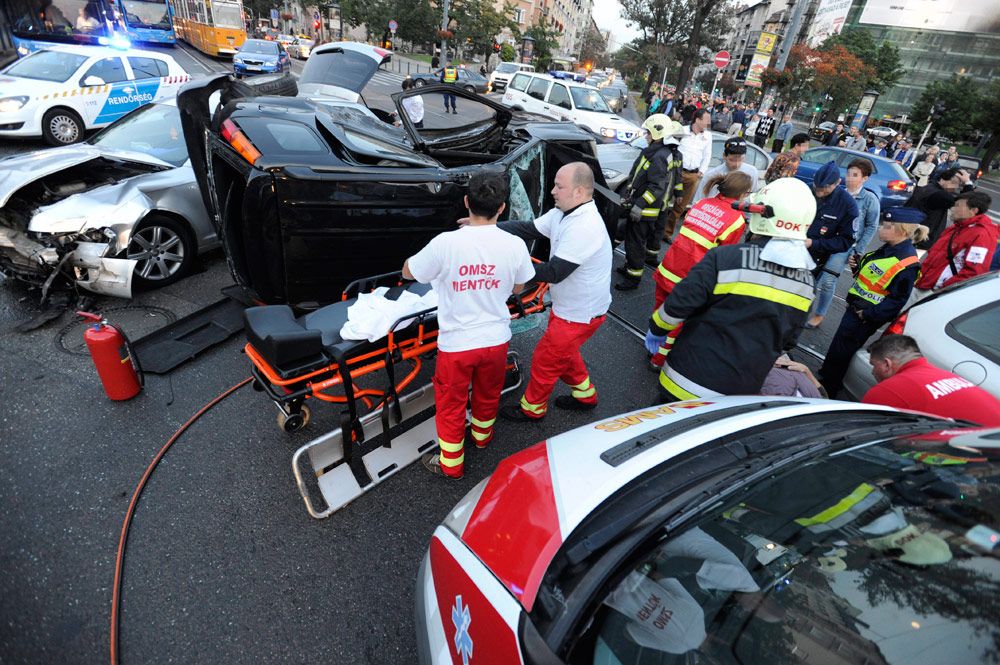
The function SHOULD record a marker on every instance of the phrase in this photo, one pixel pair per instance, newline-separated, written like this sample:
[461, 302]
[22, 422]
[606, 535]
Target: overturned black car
[313, 191]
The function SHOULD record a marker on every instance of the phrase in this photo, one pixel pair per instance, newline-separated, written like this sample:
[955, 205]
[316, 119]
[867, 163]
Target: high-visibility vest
[872, 283]
[450, 74]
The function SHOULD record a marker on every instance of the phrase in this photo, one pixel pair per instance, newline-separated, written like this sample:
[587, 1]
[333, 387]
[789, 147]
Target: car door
[150, 76]
[558, 102]
[117, 92]
[535, 96]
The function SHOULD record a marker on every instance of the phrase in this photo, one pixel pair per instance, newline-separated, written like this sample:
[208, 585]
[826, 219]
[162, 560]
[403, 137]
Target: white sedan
[61, 92]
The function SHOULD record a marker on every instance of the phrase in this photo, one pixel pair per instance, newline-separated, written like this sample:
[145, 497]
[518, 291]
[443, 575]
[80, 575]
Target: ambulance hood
[558, 483]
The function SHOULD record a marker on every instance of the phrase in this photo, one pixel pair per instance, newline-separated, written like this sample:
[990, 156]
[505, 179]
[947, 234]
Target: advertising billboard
[768, 39]
[829, 20]
[757, 65]
[951, 15]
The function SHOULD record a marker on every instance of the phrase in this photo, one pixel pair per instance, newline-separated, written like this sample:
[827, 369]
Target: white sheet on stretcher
[372, 315]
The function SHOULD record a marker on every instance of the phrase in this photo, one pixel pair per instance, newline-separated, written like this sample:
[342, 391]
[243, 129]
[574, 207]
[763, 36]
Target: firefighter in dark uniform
[448, 75]
[656, 179]
[741, 305]
[883, 282]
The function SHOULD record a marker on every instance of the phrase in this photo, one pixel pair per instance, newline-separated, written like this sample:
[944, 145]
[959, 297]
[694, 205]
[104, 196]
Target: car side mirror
[93, 80]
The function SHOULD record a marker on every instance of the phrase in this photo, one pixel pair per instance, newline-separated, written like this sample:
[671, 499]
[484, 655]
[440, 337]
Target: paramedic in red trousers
[579, 272]
[473, 270]
[742, 305]
[906, 380]
[883, 282]
[965, 249]
[655, 180]
[711, 222]
[833, 231]
[696, 153]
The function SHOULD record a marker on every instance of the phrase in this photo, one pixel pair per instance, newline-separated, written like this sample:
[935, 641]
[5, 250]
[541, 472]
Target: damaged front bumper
[88, 265]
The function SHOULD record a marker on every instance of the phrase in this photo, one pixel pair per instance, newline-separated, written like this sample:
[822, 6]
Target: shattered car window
[47, 66]
[154, 130]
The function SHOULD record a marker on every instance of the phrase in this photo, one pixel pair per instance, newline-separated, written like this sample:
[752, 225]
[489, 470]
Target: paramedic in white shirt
[579, 271]
[473, 270]
[414, 106]
[696, 153]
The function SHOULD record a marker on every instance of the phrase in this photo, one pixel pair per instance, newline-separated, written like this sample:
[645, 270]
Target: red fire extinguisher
[112, 355]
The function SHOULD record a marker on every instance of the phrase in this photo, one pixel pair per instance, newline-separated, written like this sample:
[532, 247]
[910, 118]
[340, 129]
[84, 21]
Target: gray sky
[607, 14]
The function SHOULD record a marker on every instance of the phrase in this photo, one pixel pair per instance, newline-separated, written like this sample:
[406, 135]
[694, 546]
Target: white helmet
[659, 125]
[784, 208]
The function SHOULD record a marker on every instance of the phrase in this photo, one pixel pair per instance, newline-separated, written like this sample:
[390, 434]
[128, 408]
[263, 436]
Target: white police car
[731, 530]
[61, 92]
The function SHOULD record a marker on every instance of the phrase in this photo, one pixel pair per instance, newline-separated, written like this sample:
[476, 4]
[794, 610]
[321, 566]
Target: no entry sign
[722, 59]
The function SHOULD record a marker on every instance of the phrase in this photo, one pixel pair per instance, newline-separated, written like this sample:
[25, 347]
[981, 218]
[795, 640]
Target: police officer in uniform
[833, 230]
[656, 179]
[883, 282]
[449, 76]
[742, 305]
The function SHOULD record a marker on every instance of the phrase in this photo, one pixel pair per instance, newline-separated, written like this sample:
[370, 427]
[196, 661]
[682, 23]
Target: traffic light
[316, 25]
[819, 107]
[496, 47]
[938, 111]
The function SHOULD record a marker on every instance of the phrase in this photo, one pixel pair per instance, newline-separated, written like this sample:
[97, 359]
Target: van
[561, 99]
[501, 75]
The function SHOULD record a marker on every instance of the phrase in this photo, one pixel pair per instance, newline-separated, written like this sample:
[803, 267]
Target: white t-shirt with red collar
[581, 238]
[473, 270]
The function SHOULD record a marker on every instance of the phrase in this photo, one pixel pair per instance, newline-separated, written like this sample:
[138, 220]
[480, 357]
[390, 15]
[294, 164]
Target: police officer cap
[827, 174]
[735, 146]
[904, 215]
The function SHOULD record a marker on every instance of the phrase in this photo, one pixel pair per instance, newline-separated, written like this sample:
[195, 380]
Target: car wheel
[470, 88]
[420, 83]
[282, 85]
[164, 249]
[61, 126]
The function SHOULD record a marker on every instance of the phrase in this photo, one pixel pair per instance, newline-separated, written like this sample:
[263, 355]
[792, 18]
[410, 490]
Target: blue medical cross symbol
[461, 618]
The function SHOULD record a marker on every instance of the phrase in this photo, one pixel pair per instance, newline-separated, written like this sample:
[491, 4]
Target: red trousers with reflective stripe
[556, 357]
[484, 370]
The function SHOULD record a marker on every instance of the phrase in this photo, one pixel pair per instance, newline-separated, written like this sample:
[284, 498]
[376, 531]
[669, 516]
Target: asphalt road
[223, 563]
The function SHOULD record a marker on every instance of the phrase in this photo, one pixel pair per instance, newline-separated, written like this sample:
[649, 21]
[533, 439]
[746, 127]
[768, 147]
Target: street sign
[315, 16]
[722, 59]
[393, 25]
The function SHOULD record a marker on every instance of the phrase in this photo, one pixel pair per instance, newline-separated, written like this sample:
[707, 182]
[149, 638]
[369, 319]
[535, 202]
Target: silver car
[617, 158]
[122, 210]
[956, 329]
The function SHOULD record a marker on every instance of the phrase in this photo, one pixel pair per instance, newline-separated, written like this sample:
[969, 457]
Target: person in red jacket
[710, 223]
[907, 381]
[966, 248]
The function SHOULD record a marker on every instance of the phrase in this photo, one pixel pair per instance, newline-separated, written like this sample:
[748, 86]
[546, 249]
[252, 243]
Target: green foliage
[418, 21]
[546, 41]
[883, 58]
[477, 22]
[507, 52]
[963, 103]
[593, 48]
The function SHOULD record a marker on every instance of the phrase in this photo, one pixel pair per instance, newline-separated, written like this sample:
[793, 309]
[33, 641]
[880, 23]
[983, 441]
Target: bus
[47, 22]
[214, 27]
[149, 21]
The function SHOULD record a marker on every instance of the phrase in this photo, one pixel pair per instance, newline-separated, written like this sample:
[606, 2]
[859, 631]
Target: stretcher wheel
[295, 422]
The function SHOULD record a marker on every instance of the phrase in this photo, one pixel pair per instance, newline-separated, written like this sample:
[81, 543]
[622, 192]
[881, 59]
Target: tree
[988, 120]
[507, 52]
[962, 102]
[418, 21]
[546, 41]
[707, 26]
[841, 75]
[593, 48]
[883, 58]
[477, 23]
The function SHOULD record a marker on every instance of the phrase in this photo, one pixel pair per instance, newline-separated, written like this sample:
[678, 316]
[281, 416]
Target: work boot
[652, 261]
[517, 414]
[573, 404]
[622, 270]
[628, 284]
[432, 463]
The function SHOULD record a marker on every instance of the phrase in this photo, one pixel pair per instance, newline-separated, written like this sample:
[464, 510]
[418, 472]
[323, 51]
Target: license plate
[253, 68]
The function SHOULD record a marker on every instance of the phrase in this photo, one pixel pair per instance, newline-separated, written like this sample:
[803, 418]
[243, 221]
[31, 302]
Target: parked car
[882, 132]
[468, 79]
[734, 530]
[972, 165]
[621, 88]
[300, 48]
[614, 100]
[501, 76]
[617, 158]
[122, 210]
[822, 132]
[310, 193]
[956, 329]
[260, 56]
[890, 181]
[567, 100]
[61, 92]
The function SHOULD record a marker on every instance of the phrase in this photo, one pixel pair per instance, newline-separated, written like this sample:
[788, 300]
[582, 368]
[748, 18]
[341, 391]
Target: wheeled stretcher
[384, 425]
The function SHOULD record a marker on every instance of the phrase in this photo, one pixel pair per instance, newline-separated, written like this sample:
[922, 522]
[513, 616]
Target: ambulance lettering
[625, 422]
[481, 284]
[947, 386]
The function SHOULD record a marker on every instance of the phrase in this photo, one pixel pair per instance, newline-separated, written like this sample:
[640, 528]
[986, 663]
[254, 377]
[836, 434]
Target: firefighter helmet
[659, 125]
[784, 208]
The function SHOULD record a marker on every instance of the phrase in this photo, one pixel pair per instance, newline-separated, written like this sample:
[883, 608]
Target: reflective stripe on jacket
[873, 280]
[884, 281]
[450, 74]
[710, 223]
[656, 178]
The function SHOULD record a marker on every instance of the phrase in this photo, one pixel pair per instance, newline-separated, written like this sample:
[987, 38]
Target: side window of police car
[520, 82]
[559, 96]
[109, 70]
[538, 88]
[148, 68]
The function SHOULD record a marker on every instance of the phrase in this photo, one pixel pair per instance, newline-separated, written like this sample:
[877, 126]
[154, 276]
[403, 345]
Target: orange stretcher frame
[290, 393]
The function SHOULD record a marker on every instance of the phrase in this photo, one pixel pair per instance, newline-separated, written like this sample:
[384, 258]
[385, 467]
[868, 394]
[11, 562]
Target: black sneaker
[515, 413]
[628, 284]
[573, 404]
[432, 463]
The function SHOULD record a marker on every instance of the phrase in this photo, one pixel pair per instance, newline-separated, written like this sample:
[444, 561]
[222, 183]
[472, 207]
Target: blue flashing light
[115, 41]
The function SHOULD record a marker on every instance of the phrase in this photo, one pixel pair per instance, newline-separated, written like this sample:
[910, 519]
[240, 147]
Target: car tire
[470, 88]
[420, 83]
[62, 126]
[279, 85]
[154, 243]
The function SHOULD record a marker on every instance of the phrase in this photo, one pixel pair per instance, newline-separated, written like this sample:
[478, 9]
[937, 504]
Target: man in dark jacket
[832, 231]
[936, 198]
[837, 135]
[656, 180]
